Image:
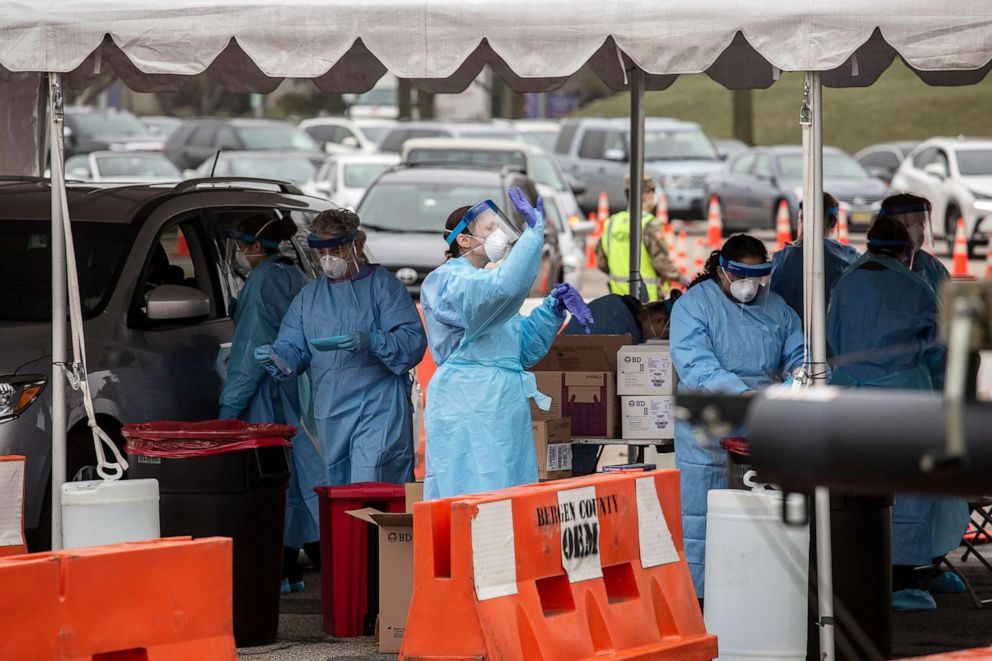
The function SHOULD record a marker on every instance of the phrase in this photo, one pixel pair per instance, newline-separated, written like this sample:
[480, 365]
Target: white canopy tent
[442, 45]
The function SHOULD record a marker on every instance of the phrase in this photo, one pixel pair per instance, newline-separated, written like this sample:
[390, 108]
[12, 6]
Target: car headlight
[17, 393]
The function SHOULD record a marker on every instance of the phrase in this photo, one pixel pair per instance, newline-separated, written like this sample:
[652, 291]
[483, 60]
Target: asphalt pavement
[956, 624]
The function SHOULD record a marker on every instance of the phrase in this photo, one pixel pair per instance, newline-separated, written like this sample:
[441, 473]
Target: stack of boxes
[646, 385]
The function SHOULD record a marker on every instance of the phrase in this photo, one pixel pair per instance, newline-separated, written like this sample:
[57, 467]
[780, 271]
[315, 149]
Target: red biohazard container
[738, 461]
[346, 580]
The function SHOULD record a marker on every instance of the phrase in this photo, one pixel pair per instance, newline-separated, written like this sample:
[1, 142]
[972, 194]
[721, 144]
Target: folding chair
[976, 510]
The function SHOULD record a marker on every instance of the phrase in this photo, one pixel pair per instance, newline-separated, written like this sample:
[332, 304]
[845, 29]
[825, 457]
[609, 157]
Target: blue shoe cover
[298, 586]
[946, 583]
[913, 600]
[284, 586]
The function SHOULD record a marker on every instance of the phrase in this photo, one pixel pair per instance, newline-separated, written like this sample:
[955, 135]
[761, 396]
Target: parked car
[571, 246]
[404, 210]
[283, 166]
[155, 296]
[344, 179]
[533, 161]
[380, 101]
[678, 154]
[106, 129]
[337, 135]
[199, 139]
[883, 160]
[955, 174]
[539, 132]
[755, 182]
[137, 167]
[161, 125]
[394, 137]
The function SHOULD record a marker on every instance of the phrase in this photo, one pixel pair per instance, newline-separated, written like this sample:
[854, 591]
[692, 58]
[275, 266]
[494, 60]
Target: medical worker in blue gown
[253, 395]
[356, 333]
[882, 333]
[730, 334]
[787, 263]
[478, 402]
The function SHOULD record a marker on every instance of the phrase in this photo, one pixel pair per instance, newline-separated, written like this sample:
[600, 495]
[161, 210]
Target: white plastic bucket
[757, 569]
[101, 512]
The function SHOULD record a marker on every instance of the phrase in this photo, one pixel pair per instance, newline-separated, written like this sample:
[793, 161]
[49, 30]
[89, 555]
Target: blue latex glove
[228, 413]
[271, 361]
[328, 343]
[533, 216]
[568, 298]
[357, 341]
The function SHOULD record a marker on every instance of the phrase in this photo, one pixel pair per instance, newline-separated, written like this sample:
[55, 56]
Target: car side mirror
[350, 141]
[879, 172]
[578, 187]
[615, 155]
[936, 169]
[323, 186]
[176, 303]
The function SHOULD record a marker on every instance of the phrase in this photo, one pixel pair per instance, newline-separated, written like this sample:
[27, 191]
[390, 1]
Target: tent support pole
[811, 121]
[59, 297]
[636, 77]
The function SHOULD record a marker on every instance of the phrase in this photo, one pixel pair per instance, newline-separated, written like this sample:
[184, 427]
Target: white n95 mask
[333, 266]
[745, 289]
[497, 245]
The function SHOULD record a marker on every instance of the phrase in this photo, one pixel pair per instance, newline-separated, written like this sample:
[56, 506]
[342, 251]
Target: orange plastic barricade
[162, 600]
[578, 569]
[12, 506]
[978, 654]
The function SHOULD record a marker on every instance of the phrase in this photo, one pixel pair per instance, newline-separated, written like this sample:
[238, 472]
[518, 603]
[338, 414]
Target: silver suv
[155, 295]
[596, 152]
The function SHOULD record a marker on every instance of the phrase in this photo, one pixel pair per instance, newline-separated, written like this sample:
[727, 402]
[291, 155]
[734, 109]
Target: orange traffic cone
[988, 260]
[603, 209]
[681, 257]
[699, 257]
[842, 225]
[661, 213]
[591, 242]
[714, 225]
[668, 233]
[960, 267]
[181, 249]
[782, 225]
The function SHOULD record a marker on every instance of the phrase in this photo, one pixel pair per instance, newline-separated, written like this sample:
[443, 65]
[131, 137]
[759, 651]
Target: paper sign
[494, 560]
[11, 502]
[579, 517]
[559, 457]
[657, 547]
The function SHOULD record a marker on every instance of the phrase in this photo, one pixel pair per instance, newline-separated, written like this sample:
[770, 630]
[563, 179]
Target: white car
[540, 132]
[296, 167]
[343, 178]
[337, 135]
[132, 167]
[572, 247]
[955, 174]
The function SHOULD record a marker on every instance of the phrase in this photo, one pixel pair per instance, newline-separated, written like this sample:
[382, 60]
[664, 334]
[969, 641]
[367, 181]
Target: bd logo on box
[635, 403]
[399, 537]
[631, 359]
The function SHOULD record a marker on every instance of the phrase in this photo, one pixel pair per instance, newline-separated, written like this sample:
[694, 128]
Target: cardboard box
[553, 444]
[395, 573]
[579, 374]
[645, 369]
[414, 494]
[648, 417]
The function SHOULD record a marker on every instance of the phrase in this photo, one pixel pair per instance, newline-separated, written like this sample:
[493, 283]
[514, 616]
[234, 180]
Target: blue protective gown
[611, 316]
[478, 402]
[248, 388]
[721, 346]
[362, 404]
[787, 271]
[933, 271]
[882, 333]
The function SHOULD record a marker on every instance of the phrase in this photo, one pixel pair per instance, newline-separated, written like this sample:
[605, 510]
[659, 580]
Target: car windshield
[360, 175]
[547, 173]
[276, 138]
[26, 266]
[545, 139]
[975, 162]
[488, 134]
[297, 170]
[422, 207]
[677, 145]
[373, 133]
[473, 157]
[835, 166]
[138, 166]
[108, 124]
[385, 96]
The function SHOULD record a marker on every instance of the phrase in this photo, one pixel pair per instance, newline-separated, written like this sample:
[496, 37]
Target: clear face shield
[747, 282]
[487, 223]
[916, 219]
[334, 254]
[236, 247]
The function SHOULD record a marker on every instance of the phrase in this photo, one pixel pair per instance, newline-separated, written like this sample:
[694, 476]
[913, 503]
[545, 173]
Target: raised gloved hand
[533, 216]
[228, 413]
[568, 298]
[357, 341]
[271, 361]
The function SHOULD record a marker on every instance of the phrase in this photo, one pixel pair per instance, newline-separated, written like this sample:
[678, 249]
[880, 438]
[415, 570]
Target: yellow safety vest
[616, 238]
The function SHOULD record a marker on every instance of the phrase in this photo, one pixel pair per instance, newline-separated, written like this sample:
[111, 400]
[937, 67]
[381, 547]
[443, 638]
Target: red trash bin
[344, 551]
